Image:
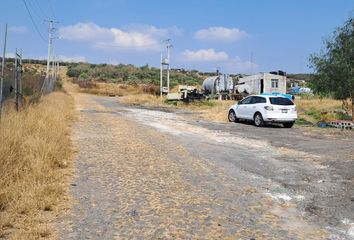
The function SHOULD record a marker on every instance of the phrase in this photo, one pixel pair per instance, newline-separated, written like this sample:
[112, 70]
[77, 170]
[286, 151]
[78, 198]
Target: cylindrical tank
[243, 88]
[217, 84]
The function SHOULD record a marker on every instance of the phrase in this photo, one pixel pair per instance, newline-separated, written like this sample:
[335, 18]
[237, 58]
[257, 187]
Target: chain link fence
[28, 86]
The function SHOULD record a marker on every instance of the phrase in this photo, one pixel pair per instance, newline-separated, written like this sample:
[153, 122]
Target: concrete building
[264, 83]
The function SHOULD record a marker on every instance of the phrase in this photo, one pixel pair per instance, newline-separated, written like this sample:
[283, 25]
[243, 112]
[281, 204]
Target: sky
[234, 36]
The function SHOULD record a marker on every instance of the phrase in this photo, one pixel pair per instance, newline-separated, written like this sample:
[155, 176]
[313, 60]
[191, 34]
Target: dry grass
[114, 89]
[144, 99]
[34, 153]
[218, 112]
[320, 104]
[316, 109]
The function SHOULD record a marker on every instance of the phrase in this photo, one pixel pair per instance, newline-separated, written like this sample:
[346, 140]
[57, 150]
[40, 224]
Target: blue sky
[209, 34]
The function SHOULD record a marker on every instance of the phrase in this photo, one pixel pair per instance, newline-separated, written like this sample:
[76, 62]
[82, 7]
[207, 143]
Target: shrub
[87, 84]
[151, 89]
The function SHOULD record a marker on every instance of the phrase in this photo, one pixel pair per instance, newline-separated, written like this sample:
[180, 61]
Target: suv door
[255, 105]
[243, 107]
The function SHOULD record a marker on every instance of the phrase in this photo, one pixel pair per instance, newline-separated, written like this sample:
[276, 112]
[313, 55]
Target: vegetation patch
[132, 75]
[35, 153]
[317, 109]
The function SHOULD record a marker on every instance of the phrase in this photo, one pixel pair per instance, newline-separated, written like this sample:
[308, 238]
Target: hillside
[300, 76]
[130, 74]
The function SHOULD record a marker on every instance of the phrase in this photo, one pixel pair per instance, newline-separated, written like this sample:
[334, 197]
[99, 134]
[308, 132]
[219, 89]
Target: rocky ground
[156, 174]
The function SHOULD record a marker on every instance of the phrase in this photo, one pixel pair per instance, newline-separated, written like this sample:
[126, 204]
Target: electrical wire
[35, 13]
[41, 9]
[51, 9]
[34, 23]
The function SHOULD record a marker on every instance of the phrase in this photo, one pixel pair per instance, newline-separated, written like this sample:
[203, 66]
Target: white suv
[264, 109]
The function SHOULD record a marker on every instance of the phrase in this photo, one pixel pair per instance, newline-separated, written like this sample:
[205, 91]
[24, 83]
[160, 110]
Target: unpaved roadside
[145, 174]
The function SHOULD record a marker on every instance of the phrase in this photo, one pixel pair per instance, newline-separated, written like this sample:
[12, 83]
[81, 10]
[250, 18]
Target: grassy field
[321, 110]
[35, 155]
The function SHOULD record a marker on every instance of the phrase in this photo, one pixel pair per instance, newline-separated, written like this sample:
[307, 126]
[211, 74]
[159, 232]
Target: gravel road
[166, 174]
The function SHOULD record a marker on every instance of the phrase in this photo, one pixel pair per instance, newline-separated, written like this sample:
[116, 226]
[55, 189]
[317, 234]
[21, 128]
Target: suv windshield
[280, 101]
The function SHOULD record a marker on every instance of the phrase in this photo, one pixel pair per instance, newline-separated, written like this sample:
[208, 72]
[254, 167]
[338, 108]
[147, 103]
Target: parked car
[263, 109]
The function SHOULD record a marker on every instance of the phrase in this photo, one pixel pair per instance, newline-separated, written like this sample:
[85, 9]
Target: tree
[334, 66]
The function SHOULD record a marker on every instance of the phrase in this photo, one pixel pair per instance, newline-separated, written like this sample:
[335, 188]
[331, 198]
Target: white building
[264, 83]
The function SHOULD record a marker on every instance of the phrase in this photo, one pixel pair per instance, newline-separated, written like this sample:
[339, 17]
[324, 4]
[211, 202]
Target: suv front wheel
[288, 124]
[258, 120]
[232, 116]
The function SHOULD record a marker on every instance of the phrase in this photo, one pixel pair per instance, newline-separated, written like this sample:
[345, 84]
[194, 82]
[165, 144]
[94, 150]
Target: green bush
[84, 77]
[130, 74]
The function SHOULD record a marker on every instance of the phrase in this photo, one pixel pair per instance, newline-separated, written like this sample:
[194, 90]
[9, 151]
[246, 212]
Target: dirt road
[158, 174]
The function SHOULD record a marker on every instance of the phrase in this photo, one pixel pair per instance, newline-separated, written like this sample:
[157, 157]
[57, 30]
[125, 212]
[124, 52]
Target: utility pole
[168, 46]
[50, 40]
[3, 68]
[50, 47]
[165, 62]
[161, 68]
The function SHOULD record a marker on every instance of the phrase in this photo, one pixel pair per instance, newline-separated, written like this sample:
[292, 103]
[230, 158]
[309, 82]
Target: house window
[275, 83]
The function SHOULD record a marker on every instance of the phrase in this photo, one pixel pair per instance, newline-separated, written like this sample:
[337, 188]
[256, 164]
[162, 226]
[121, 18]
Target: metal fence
[22, 82]
[12, 82]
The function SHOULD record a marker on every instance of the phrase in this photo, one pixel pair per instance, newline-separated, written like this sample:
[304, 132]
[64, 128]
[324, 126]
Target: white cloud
[208, 59]
[220, 34]
[154, 31]
[9, 55]
[85, 32]
[18, 29]
[134, 37]
[236, 65]
[204, 55]
[63, 58]
[114, 62]
[72, 58]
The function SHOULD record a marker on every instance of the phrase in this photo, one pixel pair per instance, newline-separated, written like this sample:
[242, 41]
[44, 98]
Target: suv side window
[258, 100]
[246, 100]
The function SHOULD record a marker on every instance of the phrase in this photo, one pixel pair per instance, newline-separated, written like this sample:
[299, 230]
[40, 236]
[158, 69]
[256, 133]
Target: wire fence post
[18, 79]
[3, 69]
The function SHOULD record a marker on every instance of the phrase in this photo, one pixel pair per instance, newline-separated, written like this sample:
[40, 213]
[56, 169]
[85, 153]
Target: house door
[262, 86]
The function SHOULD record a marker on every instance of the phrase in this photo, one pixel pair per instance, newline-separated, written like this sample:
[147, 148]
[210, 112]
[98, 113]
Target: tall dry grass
[315, 109]
[115, 89]
[34, 156]
[144, 99]
[219, 111]
[318, 103]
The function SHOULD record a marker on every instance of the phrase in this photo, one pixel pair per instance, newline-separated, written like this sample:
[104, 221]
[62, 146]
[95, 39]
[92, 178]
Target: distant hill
[300, 76]
[130, 74]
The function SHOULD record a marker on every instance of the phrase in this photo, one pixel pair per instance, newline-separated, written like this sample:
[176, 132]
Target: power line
[41, 9]
[35, 13]
[51, 9]
[34, 23]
